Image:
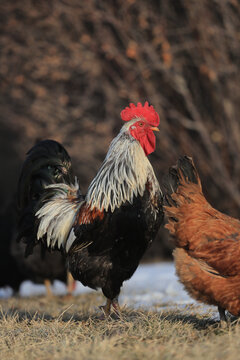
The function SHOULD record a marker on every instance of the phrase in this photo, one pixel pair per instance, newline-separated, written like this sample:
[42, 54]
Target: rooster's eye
[140, 124]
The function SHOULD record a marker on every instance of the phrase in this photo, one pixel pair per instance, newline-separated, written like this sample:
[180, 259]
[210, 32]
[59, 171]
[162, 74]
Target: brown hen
[207, 254]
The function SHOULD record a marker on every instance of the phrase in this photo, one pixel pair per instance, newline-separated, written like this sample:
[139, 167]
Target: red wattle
[148, 142]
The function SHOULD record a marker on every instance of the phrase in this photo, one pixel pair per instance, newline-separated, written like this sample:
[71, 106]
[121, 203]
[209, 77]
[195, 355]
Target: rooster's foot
[106, 309]
[116, 306]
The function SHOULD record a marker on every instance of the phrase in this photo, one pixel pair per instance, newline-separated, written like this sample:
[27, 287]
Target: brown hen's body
[207, 254]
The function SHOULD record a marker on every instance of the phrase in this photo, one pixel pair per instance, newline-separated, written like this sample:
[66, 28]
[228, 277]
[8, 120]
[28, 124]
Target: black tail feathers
[185, 171]
[46, 163]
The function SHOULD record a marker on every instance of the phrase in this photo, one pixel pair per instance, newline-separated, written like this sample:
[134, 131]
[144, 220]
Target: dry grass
[37, 328]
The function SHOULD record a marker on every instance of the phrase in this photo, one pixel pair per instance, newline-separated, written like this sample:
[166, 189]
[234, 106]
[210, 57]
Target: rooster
[105, 233]
[207, 241]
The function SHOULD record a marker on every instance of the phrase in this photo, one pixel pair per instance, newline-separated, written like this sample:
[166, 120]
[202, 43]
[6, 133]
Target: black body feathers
[116, 245]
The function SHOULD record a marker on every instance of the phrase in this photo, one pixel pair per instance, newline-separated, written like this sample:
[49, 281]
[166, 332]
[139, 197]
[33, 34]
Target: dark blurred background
[67, 69]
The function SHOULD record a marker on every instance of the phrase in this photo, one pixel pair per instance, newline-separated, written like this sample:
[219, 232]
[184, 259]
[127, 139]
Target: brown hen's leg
[47, 284]
[223, 318]
[106, 308]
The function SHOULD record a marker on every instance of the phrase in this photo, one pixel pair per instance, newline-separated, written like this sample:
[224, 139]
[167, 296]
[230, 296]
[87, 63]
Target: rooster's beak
[154, 128]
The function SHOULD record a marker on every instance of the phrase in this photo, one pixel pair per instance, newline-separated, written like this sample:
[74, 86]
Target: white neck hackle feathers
[123, 174]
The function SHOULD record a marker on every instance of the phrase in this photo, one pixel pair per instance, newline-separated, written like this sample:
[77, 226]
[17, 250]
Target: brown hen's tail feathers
[182, 174]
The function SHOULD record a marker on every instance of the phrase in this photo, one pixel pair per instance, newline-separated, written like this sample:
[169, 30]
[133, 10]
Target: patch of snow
[28, 288]
[153, 284]
[6, 292]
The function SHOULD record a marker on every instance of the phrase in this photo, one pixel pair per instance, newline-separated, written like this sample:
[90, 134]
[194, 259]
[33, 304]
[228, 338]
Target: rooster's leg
[116, 306]
[106, 308]
[223, 318]
[47, 284]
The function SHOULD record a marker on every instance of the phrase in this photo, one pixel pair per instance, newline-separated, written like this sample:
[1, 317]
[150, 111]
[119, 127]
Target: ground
[70, 328]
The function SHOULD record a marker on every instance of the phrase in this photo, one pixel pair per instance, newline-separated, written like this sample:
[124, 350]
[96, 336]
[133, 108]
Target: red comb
[146, 111]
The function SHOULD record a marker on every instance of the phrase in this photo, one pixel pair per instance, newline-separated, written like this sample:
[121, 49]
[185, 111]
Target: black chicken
[41, 266]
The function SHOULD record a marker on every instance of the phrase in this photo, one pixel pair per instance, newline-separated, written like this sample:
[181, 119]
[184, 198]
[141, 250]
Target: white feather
[58, 215]
[71, 238]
